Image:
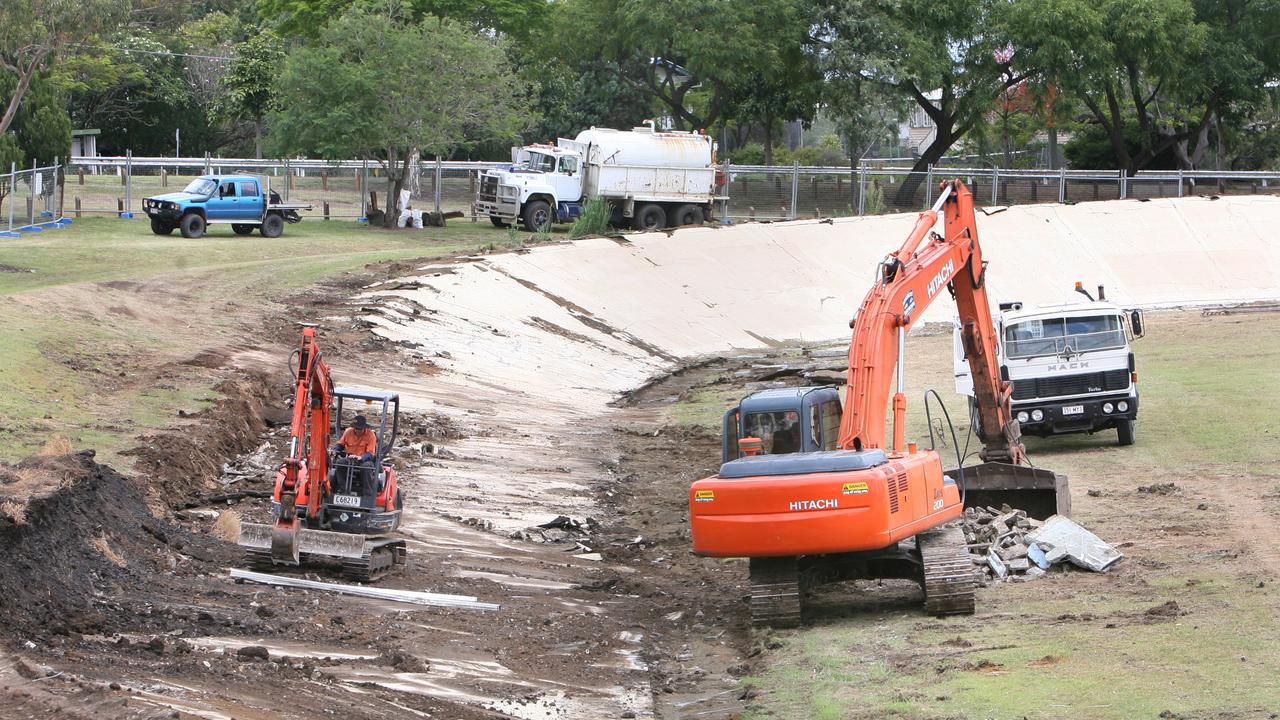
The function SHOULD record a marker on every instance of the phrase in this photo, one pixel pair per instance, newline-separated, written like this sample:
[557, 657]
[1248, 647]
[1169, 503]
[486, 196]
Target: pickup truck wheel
[241, 229]
[160, 227]
[272, 226]
[1126, 430]
[192, 226]
[649, 217]
[687, 215]
[499, 222]
[537, 216]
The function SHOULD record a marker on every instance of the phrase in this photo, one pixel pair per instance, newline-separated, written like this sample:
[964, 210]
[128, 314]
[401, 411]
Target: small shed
[84, 143]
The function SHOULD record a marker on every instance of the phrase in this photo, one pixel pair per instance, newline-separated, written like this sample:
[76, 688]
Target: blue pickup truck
[235, 200]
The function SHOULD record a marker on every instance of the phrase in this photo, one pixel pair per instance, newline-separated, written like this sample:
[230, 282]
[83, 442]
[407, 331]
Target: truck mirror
[1135, 322]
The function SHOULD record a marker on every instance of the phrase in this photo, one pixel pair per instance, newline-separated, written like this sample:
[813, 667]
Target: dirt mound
[180, 464]
[84, 534]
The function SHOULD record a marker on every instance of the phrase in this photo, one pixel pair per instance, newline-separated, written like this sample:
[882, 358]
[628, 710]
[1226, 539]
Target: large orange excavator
[328, 504]
[812, 492]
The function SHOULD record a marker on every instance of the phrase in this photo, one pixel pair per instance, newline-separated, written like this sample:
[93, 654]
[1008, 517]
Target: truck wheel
[1126, 430]
[272, 226]
[241, 229]
[687, 215]
[160, 227]
[650, 216]
[192, 225]
[537, 216]
[499, 222]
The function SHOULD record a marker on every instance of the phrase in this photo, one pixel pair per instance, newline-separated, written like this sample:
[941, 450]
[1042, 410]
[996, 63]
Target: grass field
[1082, 645]
[98, 317]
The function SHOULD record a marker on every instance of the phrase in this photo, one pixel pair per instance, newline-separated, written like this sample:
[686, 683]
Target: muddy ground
[117, 601]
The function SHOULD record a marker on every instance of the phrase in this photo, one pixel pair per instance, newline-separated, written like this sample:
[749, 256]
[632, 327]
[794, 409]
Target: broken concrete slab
[1063, 539]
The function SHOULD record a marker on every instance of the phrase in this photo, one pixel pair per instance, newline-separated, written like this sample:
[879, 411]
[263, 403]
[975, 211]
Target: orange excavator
[811, 492]
[328, 504]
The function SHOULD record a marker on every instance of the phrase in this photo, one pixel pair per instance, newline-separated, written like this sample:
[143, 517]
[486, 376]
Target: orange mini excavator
[328, 504]
[810, 493]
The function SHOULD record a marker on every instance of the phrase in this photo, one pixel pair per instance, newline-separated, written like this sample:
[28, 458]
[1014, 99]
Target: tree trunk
[942, 141]
[396, 172]
[1053, 148]
[257, 137]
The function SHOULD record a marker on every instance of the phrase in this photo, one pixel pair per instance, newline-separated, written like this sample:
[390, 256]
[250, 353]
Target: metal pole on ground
[13, 194]
[928, 187]
[862, 188]
[1179, 182]
[128, 186]
[1124, 191]
[31, 206]
[286, 180]
[1062, 185]
[995, 183]
[364, 191]
[795, 188]
[436, 183]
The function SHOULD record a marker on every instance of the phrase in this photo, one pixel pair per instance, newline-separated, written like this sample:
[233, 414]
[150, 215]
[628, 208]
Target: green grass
[107, 302]
[1209, 392]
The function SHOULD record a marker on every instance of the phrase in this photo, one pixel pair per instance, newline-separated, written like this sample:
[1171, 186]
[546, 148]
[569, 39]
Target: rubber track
[375, 564]
[948, 573]
[775, 592]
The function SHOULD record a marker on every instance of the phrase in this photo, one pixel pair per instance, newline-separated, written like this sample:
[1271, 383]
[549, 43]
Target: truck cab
[543, 185]
[1072, 367]
[236, 200]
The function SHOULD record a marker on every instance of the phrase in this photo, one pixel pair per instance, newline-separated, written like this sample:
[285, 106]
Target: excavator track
[775, 592]
[947, 572]
[380, 558]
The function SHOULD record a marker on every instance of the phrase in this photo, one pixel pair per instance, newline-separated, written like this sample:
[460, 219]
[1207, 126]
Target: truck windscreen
[539, 162]
[1057, 336]
[201, 186]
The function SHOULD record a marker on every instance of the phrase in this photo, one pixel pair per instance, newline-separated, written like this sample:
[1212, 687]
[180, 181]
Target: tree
[947, 56]
[517, 18]
[1172, 68]
[689, 56]
[248, 88]
[379, 87]
[569, 99]
[34, 31]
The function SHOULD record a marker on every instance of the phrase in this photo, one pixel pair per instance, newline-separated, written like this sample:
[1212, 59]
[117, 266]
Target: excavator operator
[359, 441]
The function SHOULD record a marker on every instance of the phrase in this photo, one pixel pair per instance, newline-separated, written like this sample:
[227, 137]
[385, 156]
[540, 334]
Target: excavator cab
[358, 501]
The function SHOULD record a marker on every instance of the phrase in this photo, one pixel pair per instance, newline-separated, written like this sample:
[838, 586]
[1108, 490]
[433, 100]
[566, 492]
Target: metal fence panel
[346, 189]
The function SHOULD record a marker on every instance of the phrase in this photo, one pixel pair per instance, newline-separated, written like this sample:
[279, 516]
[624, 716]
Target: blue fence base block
[7, 234]
[126, 216]
[30, 228]
[363, 220]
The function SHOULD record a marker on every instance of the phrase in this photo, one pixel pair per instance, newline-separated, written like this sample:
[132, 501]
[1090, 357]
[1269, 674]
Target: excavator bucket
[311, 542]
[1041, 493]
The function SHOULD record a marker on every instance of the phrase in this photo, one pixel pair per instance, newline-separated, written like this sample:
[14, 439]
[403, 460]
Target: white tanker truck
[653, 180]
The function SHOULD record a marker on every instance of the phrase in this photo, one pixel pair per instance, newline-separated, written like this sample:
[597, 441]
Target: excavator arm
[306, 468]
[907, 282]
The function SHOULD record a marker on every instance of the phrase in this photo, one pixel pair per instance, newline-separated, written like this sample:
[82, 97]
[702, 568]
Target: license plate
[1072, 409]
[347, 500]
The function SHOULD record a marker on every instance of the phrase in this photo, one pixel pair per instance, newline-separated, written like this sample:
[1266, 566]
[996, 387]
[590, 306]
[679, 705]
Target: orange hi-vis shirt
[359, 442]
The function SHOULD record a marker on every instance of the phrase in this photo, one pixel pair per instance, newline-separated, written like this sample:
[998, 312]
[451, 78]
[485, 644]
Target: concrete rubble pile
[1007, 545]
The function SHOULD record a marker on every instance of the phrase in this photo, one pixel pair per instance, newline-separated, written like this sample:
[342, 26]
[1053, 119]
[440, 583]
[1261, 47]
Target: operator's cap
[360, 423]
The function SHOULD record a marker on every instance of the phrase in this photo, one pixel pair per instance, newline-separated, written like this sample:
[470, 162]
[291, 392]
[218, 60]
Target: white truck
[652, 179]
[1071, 365]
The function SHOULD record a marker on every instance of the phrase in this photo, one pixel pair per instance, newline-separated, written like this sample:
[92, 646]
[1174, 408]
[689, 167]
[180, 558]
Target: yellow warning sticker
[854, 488]
[704, 495]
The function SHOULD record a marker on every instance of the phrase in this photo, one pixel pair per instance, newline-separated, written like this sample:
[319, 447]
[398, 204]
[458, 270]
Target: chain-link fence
[30, 200]
[348, 189]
